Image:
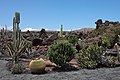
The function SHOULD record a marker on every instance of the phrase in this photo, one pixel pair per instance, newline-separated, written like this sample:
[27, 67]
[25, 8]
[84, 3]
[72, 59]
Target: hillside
[109, 29]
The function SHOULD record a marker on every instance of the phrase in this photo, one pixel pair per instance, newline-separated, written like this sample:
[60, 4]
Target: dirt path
[84, 74]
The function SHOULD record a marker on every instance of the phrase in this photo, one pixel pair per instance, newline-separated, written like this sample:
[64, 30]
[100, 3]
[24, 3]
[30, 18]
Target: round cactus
[17, 68]
[37, 66]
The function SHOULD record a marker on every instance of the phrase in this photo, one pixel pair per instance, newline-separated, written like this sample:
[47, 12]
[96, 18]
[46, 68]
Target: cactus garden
[45, 52]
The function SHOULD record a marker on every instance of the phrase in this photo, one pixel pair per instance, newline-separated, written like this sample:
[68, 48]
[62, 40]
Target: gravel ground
[83, 74]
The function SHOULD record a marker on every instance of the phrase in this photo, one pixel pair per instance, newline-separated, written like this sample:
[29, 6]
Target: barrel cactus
[37, 66]
[17, 68]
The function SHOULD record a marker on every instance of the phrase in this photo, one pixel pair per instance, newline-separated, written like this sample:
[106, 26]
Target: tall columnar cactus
[18, 47]
[4, 33]
[16, 33]
[61, 30]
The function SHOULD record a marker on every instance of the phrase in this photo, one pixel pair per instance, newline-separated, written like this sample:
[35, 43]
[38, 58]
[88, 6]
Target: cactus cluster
[18, 47]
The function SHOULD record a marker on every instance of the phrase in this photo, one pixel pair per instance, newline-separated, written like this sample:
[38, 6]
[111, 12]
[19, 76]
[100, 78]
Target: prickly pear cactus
[17, 68]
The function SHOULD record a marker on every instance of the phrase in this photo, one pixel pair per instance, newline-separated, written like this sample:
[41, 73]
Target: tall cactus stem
[61, 30]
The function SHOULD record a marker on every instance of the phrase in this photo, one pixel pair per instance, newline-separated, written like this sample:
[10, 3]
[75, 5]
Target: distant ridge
[85, 30]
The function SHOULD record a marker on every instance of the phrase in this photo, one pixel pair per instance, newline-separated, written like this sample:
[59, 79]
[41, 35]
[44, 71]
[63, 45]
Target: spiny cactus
[18, 47]
[4, 32]
[17, 16]
[17, 68]
[37, 66]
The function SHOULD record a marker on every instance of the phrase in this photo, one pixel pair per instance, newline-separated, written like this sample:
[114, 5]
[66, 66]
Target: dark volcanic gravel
[83, 74]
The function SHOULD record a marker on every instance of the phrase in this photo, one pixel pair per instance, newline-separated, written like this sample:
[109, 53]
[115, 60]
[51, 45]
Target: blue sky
[49, 14]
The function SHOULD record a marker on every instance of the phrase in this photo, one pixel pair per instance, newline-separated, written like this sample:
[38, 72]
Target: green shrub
[73, 39]
[105, 41]
[90, 57]
[61, 52]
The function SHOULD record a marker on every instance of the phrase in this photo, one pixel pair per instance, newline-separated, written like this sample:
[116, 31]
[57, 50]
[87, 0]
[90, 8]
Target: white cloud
[8, 27]
[33, 29]
[30, 29]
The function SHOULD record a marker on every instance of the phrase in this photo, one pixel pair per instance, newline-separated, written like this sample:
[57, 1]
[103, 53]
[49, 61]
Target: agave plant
[15, 54]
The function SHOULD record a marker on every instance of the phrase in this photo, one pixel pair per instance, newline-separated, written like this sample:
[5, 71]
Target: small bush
[61, 52]
[109, 61]
[73, 39]
[105, 41]
[90, 57]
